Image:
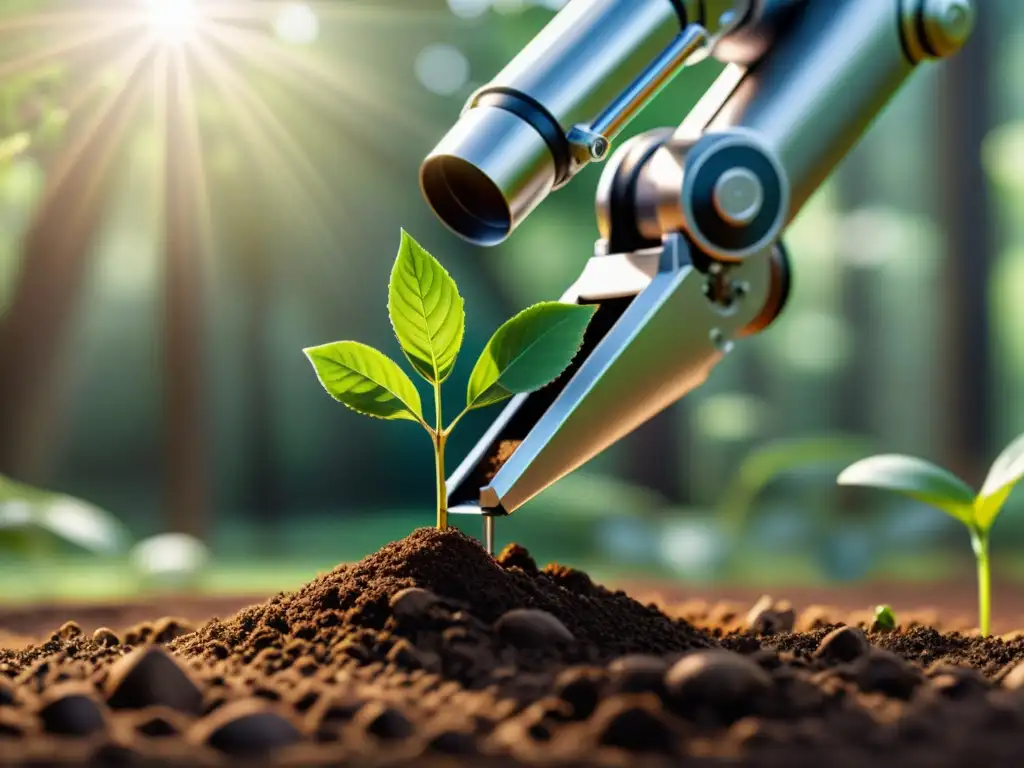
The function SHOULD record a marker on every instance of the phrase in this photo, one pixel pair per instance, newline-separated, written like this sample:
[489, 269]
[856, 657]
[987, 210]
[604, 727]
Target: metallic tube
[511, 146]
[819, 88]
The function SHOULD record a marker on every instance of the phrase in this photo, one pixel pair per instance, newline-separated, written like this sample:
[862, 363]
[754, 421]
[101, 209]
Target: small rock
[770, 618]
[383, 721]
[716, 679]
[245, 729]
[71, 710]
[632, 723]
[885, 672]
[105, 638]
[1015, 677]
[529, 627]
[151, 677]
[69, 630]
[412, 602]
[638, 673]
[843, 644]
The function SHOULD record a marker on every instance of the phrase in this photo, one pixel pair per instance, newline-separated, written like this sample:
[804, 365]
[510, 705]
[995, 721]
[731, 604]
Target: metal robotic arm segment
[690, 219]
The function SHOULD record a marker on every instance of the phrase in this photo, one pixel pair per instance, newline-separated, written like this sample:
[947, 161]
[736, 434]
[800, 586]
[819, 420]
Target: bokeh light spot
[442, 69]
[297, 24]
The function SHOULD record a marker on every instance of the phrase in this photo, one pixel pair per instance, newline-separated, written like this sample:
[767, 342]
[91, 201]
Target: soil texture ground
[431, 652]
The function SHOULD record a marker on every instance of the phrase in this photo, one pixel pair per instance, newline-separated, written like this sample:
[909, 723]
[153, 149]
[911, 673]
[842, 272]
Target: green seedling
[884, 619]
[526, 353]
[923, 481]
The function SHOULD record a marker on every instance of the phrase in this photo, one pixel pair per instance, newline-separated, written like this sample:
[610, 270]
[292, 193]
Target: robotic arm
[690, 256]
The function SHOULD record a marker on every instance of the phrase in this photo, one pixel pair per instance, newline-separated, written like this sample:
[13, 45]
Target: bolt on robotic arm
[690, 256]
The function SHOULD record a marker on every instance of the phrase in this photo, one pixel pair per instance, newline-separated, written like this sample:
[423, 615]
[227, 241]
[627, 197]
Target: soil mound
[430, 652]
[453, 567]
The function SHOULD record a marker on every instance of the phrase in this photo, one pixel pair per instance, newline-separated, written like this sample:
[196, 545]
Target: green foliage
[938, 487]
[426, 311]
[764, 465]
[528, 352]
[365, 380]
[427, 315]
[884, 619]
[31, 520]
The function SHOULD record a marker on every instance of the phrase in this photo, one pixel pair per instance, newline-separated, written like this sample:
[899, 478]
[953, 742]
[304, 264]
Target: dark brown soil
[430, 652]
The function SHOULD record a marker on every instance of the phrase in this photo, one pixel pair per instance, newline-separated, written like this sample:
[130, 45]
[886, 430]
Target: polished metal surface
[804, 80]
[668, 186]
[489, 172]
[651, 82]
[826, 78]
[935, 29]
[752, 27]
[591, 52]
[663, 346]
[738, 196]
[593, 60]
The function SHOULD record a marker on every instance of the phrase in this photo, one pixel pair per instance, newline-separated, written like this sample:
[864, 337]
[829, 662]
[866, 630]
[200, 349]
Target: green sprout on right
[940, 488]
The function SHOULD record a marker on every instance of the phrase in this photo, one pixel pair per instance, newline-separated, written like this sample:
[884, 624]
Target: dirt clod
[717, 680]
[246, 729]
[105, 637]
[526, 627]
[843, 644]
[149, 676]
[71, 710]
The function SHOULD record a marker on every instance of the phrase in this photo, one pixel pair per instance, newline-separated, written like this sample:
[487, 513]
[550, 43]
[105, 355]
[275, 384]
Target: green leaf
[916, 478]
[365, 380]
[528, 352]
[426, 311]
[1007, 469]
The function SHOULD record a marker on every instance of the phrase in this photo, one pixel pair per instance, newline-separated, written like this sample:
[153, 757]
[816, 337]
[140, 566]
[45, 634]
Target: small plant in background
[940, 488]
[526, 353]
[884, 619]
[32, 519]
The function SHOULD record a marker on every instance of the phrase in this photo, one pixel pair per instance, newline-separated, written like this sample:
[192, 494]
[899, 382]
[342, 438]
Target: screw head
[948, 24]
[599, 148]
[738, 196]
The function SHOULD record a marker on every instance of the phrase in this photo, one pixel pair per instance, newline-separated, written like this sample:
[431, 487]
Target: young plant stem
[979, 541]
[440, 437]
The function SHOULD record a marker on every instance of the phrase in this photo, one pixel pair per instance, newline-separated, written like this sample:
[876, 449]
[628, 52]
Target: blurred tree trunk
[254, 265]
[54, 266]
[653, 456]
[185, 434]
[857, 382]
[964, 118]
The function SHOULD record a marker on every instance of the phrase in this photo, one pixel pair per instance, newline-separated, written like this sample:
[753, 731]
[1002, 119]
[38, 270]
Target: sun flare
[172, 21]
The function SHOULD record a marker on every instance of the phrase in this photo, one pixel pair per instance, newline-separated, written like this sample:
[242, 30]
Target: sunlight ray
[320, 84]
[53, 53]
[309, 175]
[128, 62]
[55, 20]
[264, 150]
[73, 153]
[193, 145]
